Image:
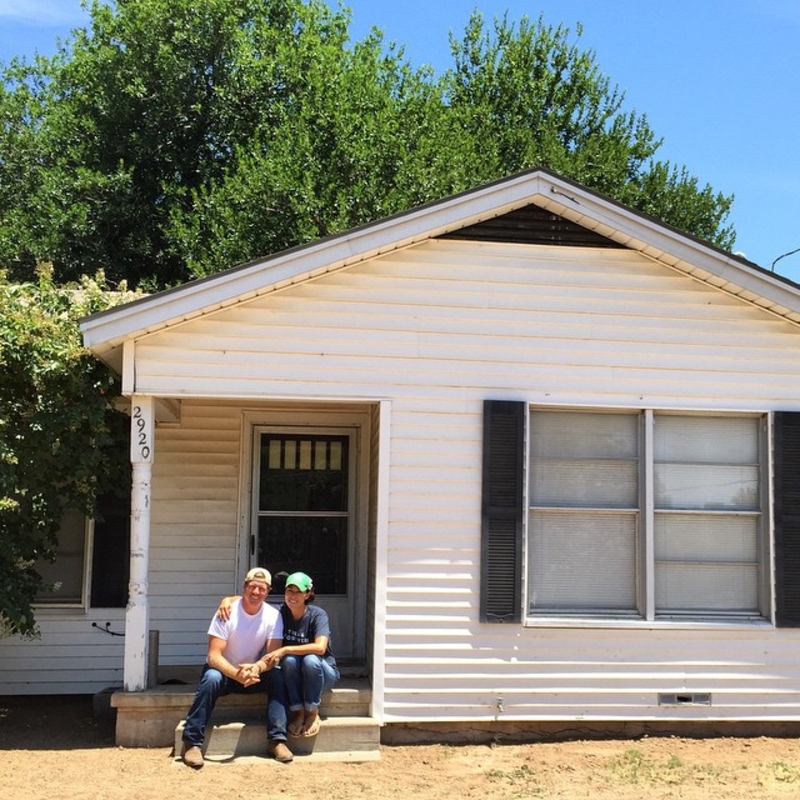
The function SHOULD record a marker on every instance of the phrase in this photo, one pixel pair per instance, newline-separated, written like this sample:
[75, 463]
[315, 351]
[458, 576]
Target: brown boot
[193, 757]
[279, 751]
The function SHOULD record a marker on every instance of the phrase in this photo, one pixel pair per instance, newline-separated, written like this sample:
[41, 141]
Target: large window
[645, 515]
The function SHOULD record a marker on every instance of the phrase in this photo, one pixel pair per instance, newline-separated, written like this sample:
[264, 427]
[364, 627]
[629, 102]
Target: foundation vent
[685, 699]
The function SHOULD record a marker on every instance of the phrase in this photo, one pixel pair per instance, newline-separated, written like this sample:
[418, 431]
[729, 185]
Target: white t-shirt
[246, 634]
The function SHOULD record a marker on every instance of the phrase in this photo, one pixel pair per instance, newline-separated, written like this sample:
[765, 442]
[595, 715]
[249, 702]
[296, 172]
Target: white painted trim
[129, 366]
[381, 561]
[768, 517]
[137, 617]
[649, 518]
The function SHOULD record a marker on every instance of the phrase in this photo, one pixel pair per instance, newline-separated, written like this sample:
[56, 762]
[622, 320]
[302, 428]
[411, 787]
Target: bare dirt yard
[55, 748]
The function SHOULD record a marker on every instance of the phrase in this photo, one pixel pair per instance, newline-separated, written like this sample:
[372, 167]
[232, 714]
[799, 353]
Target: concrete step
[349, 698]
[149, 718]
[238, 728]
[340, 738]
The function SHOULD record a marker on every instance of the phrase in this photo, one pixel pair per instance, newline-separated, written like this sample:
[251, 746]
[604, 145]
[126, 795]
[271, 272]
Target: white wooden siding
[459, 319]
[70, 657]
[195, 527]
[437, 329]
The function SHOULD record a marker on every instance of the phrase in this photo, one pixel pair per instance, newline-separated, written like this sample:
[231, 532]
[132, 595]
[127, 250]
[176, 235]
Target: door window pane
[303, 474]
[315, 545]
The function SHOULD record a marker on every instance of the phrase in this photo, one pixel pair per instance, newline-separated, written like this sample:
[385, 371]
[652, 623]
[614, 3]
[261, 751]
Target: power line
[791, 252]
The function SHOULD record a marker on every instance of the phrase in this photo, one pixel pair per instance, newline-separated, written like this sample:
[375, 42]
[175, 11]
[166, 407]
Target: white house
[537, 450]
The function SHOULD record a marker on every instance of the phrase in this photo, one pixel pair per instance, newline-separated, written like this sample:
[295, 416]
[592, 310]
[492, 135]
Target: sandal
[312, 723]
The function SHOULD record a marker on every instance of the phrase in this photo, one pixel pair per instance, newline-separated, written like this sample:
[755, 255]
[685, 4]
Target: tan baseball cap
[258, 574]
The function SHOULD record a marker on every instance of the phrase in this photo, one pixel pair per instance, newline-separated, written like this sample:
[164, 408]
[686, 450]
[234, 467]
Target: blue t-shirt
[312, 624]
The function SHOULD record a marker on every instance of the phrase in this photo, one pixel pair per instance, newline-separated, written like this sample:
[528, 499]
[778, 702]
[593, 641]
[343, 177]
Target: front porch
[154, 718]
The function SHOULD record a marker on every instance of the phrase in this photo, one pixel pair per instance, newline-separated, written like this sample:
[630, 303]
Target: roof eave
[105, 332]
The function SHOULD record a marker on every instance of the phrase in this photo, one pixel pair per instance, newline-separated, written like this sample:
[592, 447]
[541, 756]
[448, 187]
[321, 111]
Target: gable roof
[535, 206]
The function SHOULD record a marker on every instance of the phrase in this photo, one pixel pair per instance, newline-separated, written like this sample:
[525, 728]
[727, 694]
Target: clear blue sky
[718, 80]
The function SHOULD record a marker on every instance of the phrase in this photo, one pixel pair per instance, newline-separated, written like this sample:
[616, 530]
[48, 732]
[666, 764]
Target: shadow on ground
[53, 722]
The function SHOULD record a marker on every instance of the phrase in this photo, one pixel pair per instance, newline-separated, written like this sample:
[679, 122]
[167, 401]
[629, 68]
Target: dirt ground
[54, 748]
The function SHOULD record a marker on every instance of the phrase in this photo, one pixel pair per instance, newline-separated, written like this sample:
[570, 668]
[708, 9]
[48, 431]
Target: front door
[303, 517]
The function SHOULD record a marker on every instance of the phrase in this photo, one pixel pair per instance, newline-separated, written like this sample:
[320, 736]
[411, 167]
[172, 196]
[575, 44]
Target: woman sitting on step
[307, 661]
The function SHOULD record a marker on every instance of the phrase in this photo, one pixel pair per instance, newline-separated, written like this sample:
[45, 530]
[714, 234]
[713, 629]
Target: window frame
[49, 602]
[645, 613]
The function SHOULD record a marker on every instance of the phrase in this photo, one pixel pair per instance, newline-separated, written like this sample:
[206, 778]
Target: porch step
[238, 728]
[154, 718]
[350, 739]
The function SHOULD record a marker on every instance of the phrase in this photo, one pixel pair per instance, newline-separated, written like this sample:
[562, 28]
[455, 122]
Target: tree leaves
[176, 138]
[59, 431]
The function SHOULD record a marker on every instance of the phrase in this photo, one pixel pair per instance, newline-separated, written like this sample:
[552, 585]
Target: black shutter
[501, 511]
[786, 494]
[111, 552]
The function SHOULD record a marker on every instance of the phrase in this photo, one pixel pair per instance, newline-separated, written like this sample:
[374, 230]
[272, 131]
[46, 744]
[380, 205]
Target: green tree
[529, 96]
[107, 139]
[369, 136]
[175, 138]
[59, 432]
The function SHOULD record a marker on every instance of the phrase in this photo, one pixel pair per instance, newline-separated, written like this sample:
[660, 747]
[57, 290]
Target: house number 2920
[140, 433]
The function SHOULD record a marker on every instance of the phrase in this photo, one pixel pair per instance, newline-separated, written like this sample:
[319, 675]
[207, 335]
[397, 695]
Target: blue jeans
[213, 685]
[306, 678]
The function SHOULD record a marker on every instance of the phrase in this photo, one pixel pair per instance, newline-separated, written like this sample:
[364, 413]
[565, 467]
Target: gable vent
[532, 225]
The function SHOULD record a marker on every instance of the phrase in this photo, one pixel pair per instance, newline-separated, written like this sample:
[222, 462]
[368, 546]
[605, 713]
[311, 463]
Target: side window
[707, 515]
[104, 544]
[584, 518]
[66, 573]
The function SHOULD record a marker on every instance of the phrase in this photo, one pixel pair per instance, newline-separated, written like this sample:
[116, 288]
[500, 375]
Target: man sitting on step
[236, 662]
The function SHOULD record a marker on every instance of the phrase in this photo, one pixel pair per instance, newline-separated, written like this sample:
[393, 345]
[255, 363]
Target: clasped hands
[249, 674]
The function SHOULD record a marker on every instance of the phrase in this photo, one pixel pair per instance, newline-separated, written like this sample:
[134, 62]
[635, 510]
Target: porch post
[137, 617]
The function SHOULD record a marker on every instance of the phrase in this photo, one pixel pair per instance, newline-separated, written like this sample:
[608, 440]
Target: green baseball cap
[301, 581]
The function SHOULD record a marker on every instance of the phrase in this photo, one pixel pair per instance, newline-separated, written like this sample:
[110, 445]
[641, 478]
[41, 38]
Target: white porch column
[137, 617]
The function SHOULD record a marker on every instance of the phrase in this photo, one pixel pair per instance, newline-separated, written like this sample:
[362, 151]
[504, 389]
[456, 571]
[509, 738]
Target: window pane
[315, 545]
[584, 484]
[582, 562]
[66, 572]
[578, 435]
[706, 588]
[697, 537]
[727, 440]
[584, 460]
[303, 474]
[706, 486]
[111, 553]
[707, 563]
